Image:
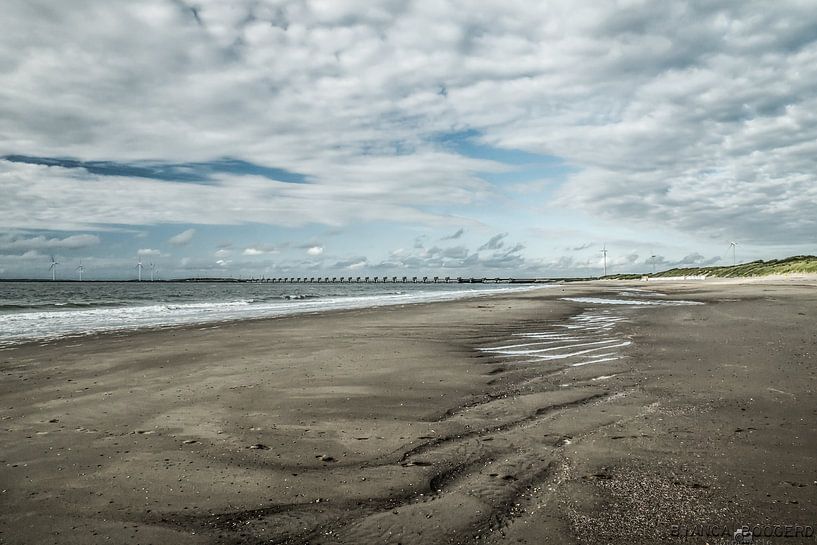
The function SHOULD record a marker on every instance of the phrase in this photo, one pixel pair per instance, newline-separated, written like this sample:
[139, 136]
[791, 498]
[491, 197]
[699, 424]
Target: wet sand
[426, 423]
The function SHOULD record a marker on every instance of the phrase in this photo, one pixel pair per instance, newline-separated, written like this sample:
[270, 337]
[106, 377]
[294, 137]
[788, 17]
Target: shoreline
[333, 304]
[389, 424]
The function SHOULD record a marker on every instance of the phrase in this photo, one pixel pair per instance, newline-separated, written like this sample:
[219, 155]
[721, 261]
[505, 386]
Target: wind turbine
[152, 270]
[53, 268]
[652, 257]
[733, 246]
[81, 269]
[139, 268]
[604, 254]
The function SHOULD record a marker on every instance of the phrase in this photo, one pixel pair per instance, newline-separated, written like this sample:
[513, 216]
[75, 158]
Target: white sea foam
[551, 349]
[512, 346]
[603, 377]
[599, 360]
[636, 302]
[589, 340]
[582, 352]
[545, 335]
[585, 339]
[646, 293]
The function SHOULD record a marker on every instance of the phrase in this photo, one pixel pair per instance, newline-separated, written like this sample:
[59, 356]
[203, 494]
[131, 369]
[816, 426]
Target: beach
[597, 412]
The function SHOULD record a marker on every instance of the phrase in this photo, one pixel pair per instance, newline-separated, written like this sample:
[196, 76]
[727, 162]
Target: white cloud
[260, 250]
[696, 116]
[315, 250]
[352, 263]
[148, 252]
[182, 238]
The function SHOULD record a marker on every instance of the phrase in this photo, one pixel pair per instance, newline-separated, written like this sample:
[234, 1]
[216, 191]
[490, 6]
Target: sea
[42, 311]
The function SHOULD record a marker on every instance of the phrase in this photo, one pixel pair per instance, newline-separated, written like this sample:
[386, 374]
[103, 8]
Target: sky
[347, 137]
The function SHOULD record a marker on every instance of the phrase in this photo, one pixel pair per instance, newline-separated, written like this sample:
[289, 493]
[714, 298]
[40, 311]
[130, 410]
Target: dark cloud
[455, 235]
[454, 252]
[695, 260]
[495, 242]
[40, 242]
[505, 259]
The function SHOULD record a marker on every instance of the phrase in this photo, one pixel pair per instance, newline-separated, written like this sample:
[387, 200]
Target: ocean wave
[45, 324]
[201, 306]
[61, 305]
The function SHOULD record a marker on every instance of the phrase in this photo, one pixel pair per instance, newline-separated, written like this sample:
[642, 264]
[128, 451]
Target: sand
[390, 425]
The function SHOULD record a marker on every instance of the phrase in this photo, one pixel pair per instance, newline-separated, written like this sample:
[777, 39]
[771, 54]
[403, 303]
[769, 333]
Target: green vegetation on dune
[791, 265]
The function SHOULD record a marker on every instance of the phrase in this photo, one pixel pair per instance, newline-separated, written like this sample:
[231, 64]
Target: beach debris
[795, 483]
[690, 485]
[417, 463]
[258, 446]
[562, 442]
[598, 476]
[325, 458]
[189, 441]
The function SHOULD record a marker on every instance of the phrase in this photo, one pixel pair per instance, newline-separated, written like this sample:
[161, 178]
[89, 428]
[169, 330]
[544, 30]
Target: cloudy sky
[262, 137]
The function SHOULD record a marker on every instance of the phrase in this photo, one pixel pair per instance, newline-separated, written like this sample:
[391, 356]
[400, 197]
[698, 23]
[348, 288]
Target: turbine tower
[652, 257]
[604, 255]
[53, 268]
[152, 271]
[139, 268]
[80, 269]
[733, 246]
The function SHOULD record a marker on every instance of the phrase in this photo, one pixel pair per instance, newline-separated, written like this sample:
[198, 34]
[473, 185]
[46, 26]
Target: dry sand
[389, 426]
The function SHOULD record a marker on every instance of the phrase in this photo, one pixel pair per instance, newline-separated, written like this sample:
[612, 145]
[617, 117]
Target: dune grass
[798, 264]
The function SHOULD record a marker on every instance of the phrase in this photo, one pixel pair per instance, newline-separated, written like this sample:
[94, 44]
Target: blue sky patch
[175, 172]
